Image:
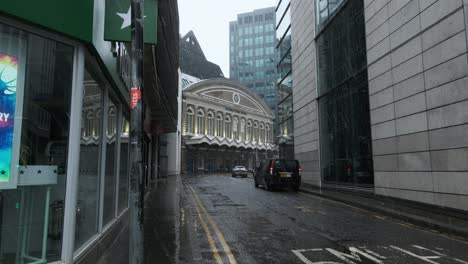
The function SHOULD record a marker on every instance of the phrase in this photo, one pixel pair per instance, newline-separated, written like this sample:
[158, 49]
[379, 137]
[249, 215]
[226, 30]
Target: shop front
[64, 140]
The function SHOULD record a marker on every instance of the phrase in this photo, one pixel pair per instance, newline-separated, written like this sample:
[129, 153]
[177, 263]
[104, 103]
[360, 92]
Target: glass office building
[285, 137]
[253, 55]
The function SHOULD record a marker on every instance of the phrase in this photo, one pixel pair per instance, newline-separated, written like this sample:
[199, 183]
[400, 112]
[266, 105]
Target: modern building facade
[65, 95]
[380, 92]
[285, 137]
[224, 124]
[253, 55]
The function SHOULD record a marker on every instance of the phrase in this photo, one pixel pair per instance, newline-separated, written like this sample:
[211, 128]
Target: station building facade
[224, 124]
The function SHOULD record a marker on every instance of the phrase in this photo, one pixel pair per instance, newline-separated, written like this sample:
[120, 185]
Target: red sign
[135, 96]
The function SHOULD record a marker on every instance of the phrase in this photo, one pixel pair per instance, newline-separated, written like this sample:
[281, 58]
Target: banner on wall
[10, 101]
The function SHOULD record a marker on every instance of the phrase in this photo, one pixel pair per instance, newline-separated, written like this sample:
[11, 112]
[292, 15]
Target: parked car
[278, 173]
[240, 171]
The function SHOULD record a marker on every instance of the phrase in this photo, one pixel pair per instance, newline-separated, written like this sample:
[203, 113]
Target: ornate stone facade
[224, 124]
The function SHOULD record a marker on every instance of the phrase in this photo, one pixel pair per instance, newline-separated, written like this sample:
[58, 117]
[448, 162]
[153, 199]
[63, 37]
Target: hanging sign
[8, 100]
[118, 20]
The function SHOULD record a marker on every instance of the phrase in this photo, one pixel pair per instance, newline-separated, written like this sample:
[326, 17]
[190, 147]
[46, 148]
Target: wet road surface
[228, 220]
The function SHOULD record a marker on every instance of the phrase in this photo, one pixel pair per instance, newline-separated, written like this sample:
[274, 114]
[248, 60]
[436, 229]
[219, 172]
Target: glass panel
[111, 155]
[326, 8]
[88, 181]
[42, 70]
[124, 165]
[345, 134]
[284, 25]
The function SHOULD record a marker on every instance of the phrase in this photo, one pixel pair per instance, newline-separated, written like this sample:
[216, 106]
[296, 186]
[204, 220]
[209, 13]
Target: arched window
[235, 128]
[255, 136]
[242, 129]
[111, 121]
[210, 123]
[219, 125]
[89, 124]
[262, 133]
[227, 127]
[249, 131]
[190, 127]
[97, 124]
[268, 139]
[201, 122]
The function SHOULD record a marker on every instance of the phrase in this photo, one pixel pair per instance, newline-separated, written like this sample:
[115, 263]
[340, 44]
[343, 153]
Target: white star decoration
[127, 18]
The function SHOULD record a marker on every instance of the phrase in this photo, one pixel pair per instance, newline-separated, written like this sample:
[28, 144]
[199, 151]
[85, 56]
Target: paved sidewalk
[445, 220]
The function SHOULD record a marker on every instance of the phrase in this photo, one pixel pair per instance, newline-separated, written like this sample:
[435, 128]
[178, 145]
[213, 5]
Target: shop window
[89, 179]
[124, 165]
[110, 170]
[36, 76]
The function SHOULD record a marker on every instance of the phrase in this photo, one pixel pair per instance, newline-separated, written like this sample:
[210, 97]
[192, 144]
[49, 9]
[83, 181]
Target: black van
[278, 173]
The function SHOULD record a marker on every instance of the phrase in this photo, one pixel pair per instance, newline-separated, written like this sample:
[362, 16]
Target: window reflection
[88, 181]
[111, 156]
[124, 165]
[345, 140]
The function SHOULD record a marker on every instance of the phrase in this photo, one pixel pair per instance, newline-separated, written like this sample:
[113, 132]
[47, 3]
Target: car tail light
[271, 168]
[300, 169]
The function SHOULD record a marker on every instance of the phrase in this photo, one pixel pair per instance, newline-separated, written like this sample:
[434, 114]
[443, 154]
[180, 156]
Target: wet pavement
[227, 220]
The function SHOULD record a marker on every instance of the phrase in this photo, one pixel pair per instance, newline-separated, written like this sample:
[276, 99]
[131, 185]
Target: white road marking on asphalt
[360, 254]
[374, 253]
[299, 254]
[433, 251]
[354, 255]
[460, 261]
[427, 259]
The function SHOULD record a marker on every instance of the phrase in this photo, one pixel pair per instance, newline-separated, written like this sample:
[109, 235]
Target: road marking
[299, 254]
[211, 241]
[218, 232]
[460, 261]
[427, 259]
[354, 255]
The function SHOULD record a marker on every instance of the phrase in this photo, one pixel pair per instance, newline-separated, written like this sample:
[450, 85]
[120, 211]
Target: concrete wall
[305, 89]
[418, 84]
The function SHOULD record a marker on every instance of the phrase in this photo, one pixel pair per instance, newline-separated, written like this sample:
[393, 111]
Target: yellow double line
[202, 215]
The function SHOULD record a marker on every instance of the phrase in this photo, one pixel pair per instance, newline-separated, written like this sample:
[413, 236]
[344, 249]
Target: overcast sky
[209, 20]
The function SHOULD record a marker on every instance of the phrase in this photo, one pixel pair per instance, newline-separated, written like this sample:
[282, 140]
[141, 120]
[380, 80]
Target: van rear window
[286, 165]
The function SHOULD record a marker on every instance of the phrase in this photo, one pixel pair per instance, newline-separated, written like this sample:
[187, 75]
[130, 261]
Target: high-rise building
[285, 137]
[253, 55]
